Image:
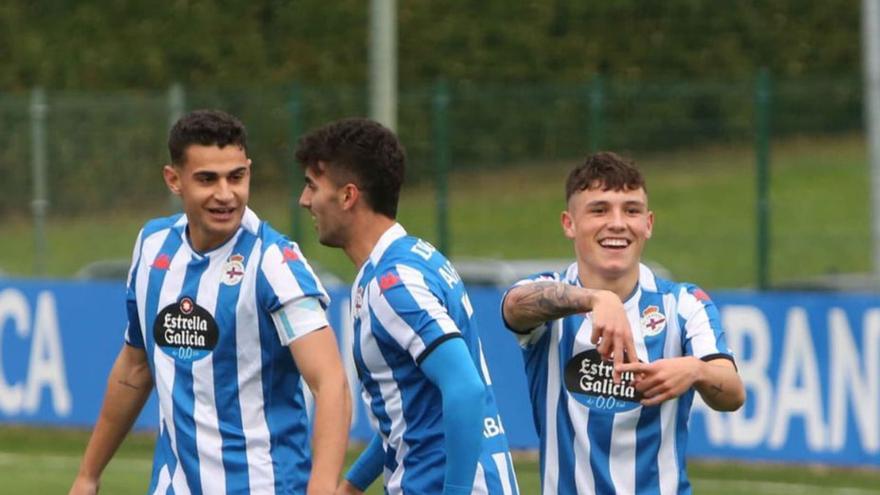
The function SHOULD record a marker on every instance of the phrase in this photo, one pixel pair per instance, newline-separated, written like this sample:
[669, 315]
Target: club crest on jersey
[653, 321]
[358, 300]
[233, 270]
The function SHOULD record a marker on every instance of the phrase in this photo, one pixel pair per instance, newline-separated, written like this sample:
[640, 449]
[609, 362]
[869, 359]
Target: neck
[364, 235]
[621, 285]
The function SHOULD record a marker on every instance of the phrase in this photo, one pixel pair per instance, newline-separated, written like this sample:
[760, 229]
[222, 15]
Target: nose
[305, 199]
[616, 220]
[223, 191]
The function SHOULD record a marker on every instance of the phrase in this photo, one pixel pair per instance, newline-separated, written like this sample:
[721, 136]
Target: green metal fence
[103, 150]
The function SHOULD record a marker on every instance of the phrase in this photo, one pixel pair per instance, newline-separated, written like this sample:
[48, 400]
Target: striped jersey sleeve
[292, 292]
[703, 336]
[410, 311]
[133, 335]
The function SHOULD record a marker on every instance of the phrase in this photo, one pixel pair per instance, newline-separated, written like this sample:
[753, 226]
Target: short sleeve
[702, 332]
[292, 293]
[289, 276]
[133, 334]
[299, 317]
[409, 311]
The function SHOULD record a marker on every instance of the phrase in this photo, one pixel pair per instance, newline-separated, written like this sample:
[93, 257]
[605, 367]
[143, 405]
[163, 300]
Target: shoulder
[569, 276]
[163, 223]
[688, 297]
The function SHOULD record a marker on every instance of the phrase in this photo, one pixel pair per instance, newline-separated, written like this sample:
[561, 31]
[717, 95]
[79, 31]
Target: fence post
[440, 105]
[597, 103]
[176, 108]
[763, 98]
[39, 165]
[294, 112]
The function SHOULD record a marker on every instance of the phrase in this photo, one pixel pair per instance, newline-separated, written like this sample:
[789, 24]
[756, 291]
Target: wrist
[699, 371]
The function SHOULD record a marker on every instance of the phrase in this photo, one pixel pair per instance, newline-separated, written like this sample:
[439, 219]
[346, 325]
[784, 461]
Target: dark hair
[606, 170]
[360, 151]
[205, 127]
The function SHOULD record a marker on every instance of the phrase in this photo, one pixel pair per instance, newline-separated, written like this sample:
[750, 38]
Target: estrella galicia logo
[591, 382]
[185, 330]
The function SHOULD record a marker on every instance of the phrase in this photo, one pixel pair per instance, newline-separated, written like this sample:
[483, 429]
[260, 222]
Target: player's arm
[128, 388]
[450, 367]
[529, 305]
[317, 357]
[716, 380]
[709, 368]
[365, 469]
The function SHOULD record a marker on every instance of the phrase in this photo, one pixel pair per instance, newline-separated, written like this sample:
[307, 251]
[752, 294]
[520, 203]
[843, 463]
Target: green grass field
[46, 460]
[704, 202]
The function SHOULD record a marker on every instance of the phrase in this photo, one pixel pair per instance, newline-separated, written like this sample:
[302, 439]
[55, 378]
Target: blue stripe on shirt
[182, 392]
[226, 393]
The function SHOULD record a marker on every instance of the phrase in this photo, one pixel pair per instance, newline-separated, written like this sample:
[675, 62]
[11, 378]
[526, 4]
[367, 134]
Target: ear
[171, 174]
[650, 224]
[350, 194]
[567, 224]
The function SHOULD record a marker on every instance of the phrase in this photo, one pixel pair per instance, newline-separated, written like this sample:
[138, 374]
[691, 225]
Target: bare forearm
[720, 386]
[128, 388]
[330, 437]
[530, 305]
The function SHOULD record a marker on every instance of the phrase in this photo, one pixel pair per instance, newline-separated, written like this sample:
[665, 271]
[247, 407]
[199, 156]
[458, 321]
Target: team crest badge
[358, 300]
[233, 270]
[653, 321]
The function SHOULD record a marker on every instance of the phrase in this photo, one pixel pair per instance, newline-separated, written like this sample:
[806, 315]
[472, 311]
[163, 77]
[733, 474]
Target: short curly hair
[607, 170]
[205, 127]
[360, 151]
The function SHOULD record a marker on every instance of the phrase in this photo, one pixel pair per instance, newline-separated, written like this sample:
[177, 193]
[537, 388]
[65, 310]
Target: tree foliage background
[114, 44]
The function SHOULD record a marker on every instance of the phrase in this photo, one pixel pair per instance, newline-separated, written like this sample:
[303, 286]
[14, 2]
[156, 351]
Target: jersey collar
[393, 233]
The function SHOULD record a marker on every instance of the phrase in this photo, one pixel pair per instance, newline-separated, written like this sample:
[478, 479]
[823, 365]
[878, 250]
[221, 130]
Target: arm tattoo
[714, 390]
[545, 301]
[130, 385]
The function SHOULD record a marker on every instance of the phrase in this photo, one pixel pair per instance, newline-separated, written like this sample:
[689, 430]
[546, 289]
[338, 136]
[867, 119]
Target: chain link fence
[103, 151]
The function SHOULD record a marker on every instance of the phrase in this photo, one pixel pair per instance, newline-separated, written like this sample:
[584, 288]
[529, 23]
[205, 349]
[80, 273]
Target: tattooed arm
[527, 306]
[128, 388]
[717, 381]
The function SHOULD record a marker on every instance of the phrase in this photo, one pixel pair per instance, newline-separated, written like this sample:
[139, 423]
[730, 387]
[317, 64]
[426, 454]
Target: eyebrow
[212, 175]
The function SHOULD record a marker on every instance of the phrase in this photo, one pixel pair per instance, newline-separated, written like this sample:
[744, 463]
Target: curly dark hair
[205, 127]
[359, 151]
[607, 170]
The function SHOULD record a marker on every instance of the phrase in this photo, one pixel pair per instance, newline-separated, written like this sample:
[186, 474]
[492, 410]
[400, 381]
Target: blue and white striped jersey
[406, 300]
[595, 437]
[232, 417]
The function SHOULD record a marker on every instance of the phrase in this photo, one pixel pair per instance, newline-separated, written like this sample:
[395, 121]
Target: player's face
[324, 200]
[609, 229]
[213, 184]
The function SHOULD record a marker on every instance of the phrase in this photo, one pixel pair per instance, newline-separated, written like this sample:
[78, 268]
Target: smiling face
[609, 230]
[214, 185]
[326, 202]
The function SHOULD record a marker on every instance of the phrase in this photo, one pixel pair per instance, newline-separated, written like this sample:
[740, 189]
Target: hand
[84, 486]
[664, 379]
[346, 488]
[612, 335]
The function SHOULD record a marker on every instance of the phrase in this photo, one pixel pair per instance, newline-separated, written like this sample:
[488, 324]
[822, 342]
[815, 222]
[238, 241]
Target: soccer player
[224, 318]
[600, 433]
[416, 346]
